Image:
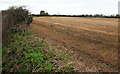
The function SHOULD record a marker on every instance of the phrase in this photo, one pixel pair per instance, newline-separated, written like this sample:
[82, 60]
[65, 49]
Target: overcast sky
[67, 7]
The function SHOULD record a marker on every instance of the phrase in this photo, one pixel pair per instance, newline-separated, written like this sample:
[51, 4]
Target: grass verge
[24, 52]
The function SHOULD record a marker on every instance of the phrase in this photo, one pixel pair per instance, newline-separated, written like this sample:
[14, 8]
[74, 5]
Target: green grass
[26, 53]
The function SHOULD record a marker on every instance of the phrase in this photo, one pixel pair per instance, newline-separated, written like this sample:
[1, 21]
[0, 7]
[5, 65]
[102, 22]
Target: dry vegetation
[91, 42]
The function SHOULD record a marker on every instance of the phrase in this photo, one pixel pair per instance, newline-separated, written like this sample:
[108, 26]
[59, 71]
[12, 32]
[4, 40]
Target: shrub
[17, 15]
[24, 52]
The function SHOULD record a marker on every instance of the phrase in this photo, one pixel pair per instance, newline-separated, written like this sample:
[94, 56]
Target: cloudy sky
[67, 7]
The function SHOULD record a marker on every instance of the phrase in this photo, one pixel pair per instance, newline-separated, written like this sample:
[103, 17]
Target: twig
[67, 51]
[35, 68]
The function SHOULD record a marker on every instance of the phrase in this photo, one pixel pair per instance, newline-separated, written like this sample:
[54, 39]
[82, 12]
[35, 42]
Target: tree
[43, 13]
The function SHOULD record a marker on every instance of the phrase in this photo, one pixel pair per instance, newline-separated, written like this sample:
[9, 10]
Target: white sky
[67, 7]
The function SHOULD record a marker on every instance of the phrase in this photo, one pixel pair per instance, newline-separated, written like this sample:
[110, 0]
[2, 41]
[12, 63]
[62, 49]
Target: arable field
[91, 43]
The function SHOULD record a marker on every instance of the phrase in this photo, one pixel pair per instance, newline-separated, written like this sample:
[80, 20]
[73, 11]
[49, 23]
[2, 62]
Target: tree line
[43, 13]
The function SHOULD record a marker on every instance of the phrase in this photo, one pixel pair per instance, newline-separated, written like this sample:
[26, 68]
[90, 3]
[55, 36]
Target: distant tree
[83, 15]
[90, 15]
[46, 13]
[101, 15]
[86, 15]
[43, 13]
[118, 15]
[96, 15]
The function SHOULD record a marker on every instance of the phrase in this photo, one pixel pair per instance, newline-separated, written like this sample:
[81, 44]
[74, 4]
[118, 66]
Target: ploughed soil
[91, 43]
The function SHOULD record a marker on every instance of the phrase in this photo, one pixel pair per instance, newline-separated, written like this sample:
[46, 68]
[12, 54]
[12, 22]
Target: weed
[26, 54]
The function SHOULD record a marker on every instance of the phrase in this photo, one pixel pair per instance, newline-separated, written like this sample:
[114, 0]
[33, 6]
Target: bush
[30, 19]
[17, 15]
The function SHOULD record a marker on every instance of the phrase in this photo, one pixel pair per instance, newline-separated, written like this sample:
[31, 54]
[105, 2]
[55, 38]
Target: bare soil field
[91, 43]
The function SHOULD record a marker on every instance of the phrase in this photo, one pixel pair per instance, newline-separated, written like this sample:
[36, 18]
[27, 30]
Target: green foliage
[68, 69]
[30, 19]
[4, 51]
[63, 56]
[26, 54]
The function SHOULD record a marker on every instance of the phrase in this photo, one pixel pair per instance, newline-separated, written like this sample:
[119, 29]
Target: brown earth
[91, 43]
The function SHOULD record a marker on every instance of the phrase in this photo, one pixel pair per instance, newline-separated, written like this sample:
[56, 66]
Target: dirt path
[91, 43]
